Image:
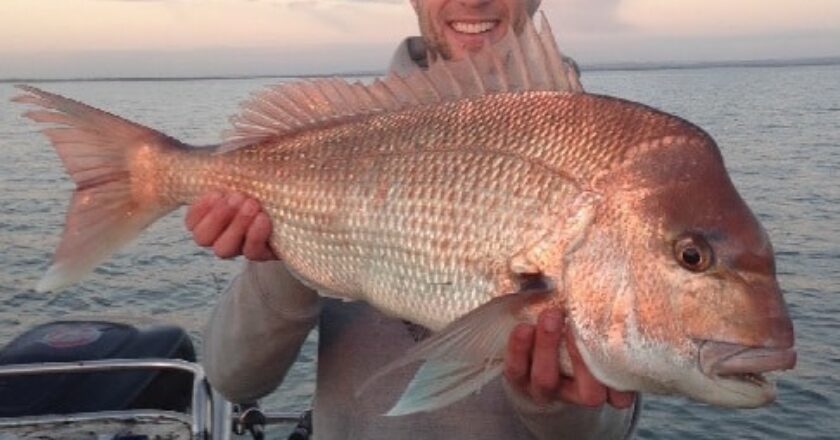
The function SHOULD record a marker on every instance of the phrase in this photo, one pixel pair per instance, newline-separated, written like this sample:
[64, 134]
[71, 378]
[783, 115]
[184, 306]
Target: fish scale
[439, 215]
[481, 181]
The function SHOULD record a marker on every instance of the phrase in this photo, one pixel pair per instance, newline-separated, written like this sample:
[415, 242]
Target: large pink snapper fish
[467, 198]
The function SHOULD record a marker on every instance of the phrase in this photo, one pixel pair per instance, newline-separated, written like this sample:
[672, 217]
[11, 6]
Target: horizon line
[593, 67]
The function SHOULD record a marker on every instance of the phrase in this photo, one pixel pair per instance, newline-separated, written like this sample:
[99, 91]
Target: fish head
[696, 308]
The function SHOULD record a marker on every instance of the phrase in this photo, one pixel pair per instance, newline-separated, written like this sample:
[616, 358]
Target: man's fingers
[256, 239]
[532, 367]
[583, 388]
[620, 399]
[229, 243]
[545, 370]
[211, 226]
[233, 225]
[518, 356]
[200, 208]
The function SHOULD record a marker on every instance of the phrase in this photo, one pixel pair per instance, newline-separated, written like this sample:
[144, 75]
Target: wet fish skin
[466, 195]
[431, 212]
[354, 206]
[667, 189]
[468, 200]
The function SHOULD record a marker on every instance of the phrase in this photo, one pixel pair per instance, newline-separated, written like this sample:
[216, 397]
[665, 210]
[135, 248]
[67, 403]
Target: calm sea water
[778, 128]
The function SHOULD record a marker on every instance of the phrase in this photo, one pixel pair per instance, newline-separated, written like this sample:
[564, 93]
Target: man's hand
[232, 225]
[532, 367]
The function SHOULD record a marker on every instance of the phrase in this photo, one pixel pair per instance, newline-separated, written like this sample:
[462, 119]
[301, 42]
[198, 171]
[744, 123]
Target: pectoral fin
[440, 383]
[462, 357]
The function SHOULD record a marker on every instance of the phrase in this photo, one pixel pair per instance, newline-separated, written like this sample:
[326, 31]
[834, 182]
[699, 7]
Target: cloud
[716, 18]
[219, 61]
[585, 16]
[74, 25]
[328, 3]
[258, 36]
[692, 30]
[394, 2]
[293, 3]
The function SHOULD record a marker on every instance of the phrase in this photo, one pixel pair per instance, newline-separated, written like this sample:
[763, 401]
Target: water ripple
[777, 130]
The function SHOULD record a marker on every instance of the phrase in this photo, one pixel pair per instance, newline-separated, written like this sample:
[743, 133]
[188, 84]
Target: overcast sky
[96, 38]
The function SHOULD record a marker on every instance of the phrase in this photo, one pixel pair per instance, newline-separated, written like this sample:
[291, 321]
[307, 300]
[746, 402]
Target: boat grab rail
[203, 396]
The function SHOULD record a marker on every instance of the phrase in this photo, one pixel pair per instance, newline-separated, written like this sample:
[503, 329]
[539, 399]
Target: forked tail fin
[102, 153]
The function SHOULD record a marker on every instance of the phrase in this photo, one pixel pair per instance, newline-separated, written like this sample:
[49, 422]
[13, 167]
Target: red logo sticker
[67, 336]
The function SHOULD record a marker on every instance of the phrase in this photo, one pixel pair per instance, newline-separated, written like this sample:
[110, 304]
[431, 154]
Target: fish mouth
[744, 364]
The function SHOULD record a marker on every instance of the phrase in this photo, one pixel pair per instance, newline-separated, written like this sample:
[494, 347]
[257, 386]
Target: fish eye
[693, 252]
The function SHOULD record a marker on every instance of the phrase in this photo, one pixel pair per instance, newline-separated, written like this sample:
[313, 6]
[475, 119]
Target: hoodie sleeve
[256, 331]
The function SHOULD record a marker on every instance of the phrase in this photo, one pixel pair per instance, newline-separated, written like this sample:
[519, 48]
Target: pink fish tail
[112, 162]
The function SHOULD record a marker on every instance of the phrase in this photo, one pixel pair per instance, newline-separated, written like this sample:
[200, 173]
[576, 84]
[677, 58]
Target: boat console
[96, 380]
[104, 380]
[75, 341]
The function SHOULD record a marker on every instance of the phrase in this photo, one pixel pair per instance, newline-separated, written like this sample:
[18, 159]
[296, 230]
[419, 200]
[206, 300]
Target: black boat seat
[67, 393]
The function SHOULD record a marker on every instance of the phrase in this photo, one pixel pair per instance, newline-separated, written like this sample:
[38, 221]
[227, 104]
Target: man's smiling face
[452, 28]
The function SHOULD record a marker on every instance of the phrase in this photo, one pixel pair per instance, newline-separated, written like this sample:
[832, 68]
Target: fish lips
[732, 360]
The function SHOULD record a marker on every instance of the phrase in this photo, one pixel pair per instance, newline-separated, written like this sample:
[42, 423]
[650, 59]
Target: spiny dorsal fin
[528, 61]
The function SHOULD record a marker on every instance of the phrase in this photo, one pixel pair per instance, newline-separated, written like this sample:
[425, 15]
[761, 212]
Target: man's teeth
[473, 28]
